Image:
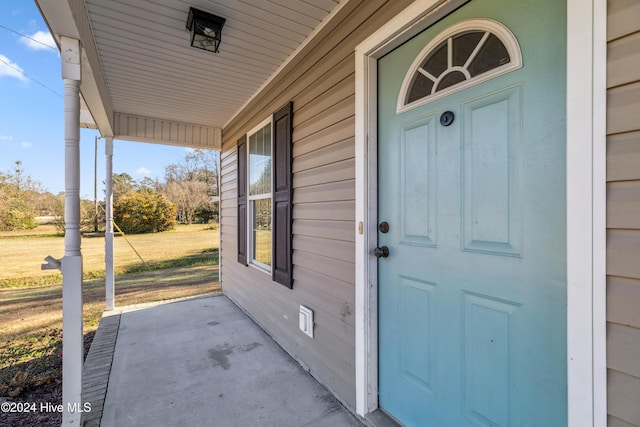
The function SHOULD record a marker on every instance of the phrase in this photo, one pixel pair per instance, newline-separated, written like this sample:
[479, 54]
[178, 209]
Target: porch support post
[108, 235]
[72, 343]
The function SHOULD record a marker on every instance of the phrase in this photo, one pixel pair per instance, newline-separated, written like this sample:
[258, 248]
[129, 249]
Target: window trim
[250, 240]
[282, 196]
[505, 35]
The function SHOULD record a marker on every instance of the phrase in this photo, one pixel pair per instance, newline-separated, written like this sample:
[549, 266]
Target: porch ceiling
[140, 72]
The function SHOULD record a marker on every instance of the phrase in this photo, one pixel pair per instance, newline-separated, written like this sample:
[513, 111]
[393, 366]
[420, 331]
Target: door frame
[585, 189]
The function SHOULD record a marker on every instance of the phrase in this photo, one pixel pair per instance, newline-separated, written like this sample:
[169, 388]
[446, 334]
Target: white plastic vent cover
[306, 320]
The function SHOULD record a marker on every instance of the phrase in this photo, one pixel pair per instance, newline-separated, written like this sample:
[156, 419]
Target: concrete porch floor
[198, 362]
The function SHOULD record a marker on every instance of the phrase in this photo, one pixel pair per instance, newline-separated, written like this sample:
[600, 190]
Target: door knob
[381, 252]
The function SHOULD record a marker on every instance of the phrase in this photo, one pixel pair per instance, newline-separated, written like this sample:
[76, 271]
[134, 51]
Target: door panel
[491, 170]
[417, 184]
[472, 298]
[415, 308]
[487, 358]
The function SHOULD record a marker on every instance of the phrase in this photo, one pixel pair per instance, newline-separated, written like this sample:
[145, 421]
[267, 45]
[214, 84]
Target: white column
[72, 343]
[108, 235]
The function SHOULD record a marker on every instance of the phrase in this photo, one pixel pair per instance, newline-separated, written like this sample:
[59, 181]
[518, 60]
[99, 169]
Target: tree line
[186, 195]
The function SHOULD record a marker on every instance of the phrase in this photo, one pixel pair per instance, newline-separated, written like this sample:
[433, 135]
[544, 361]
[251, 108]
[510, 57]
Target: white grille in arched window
[467, 53]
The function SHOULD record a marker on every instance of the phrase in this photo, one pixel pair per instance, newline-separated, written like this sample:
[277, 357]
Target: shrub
[17, 217]
[144, 211]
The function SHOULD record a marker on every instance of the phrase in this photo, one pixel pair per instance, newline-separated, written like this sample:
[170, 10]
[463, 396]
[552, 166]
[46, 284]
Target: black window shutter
[242, 200]
[282, 269]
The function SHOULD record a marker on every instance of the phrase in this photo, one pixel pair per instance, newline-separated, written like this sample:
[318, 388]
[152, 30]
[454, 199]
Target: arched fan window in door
[467, 53]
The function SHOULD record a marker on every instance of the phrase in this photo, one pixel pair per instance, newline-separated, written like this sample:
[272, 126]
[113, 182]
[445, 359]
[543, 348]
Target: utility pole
[95, 187]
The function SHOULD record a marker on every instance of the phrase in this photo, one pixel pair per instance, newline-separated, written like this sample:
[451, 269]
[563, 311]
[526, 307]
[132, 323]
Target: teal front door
[471, 186]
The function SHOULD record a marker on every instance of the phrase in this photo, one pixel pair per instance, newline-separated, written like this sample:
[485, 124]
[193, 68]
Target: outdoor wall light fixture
[205, 29]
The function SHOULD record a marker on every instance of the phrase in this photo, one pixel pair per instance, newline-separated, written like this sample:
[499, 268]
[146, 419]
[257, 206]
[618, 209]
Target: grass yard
[22, 254]
[184, 263]
[262, 246]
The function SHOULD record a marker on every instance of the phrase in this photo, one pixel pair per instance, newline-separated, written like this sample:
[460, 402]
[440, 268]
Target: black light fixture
[205, 29]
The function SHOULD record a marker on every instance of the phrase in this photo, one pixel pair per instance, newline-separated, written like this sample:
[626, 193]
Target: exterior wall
[321, 83]
[623, 212]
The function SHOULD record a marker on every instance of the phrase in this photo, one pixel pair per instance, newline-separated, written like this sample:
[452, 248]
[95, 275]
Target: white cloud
[5, 138]
[39, 40]
[10, 68]
[143, 171]
[26, 144]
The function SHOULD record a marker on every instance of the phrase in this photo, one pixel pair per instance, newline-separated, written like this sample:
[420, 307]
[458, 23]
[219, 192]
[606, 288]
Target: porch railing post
[108, 235]
[72, 321]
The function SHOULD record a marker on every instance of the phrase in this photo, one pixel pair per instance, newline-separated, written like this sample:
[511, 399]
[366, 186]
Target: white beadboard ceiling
[139, 54]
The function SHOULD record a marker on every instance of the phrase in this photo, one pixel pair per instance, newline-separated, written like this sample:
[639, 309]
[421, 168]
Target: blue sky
[31, 111]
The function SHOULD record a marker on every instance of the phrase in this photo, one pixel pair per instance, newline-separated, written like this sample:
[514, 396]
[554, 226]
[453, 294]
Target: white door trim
[586, 201]
[586, 209]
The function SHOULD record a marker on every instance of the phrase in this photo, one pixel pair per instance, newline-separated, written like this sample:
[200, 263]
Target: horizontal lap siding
[623, 213]
[228, 207]
[321, 83]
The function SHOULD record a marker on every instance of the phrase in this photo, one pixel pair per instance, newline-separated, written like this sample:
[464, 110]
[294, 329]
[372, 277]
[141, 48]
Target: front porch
[138, 78]
[198, 361]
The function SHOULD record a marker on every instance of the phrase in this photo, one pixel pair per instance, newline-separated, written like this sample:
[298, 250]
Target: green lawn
[21, 257]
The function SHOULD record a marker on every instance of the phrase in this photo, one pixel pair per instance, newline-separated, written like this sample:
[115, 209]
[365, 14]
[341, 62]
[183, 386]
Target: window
[469, 52]
[265, 196]
[260, 243]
